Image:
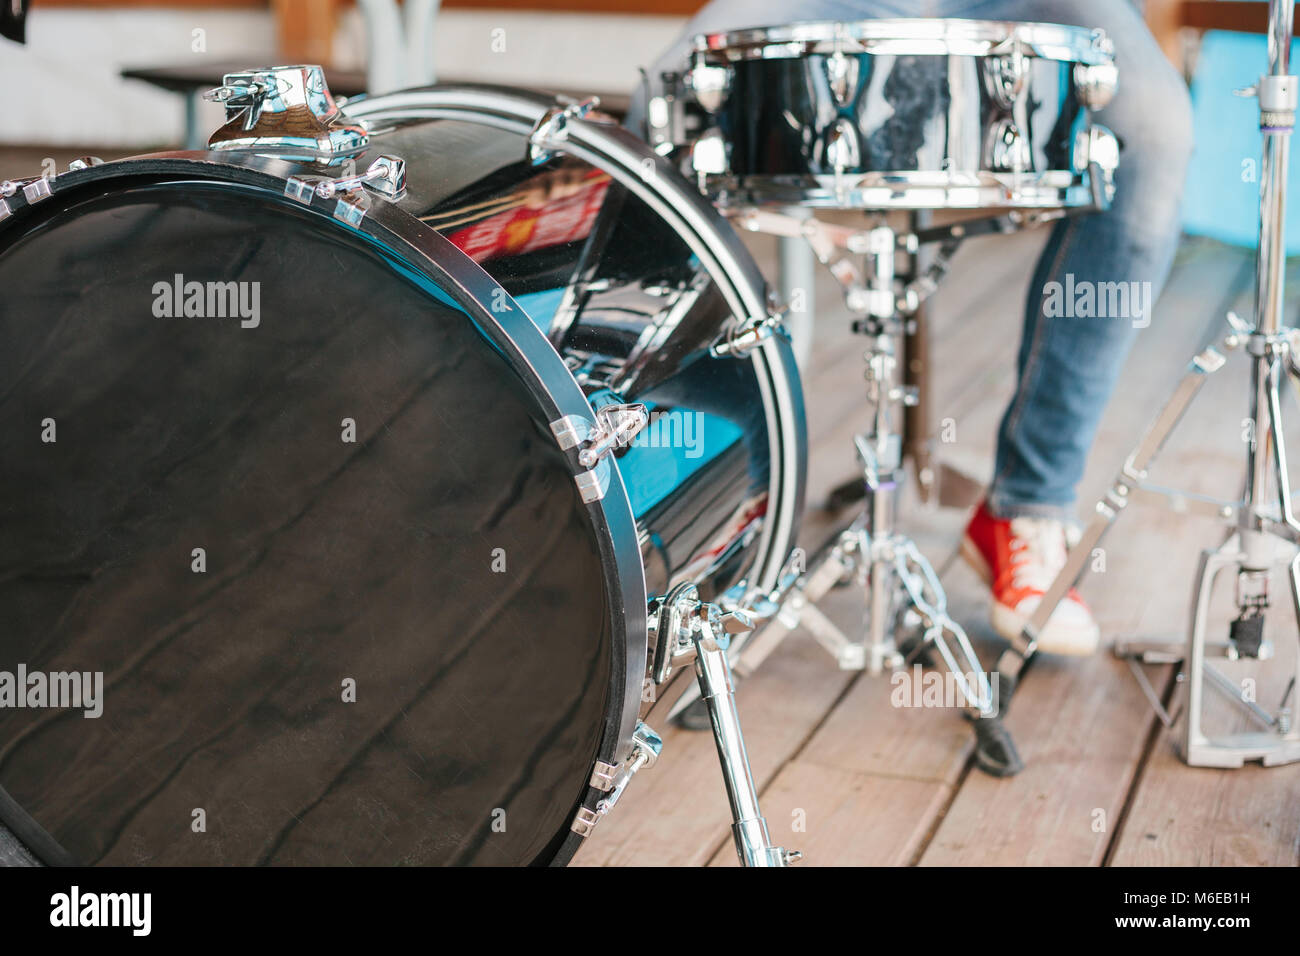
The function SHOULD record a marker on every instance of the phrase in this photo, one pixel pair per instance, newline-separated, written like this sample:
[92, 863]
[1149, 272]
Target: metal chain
[927, 596]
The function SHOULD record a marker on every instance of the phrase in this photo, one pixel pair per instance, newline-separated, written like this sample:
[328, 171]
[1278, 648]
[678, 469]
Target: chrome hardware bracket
[552, 131]
[868, 292]
[34, 188]
[1102, 151]
[570, 431]
[84, 162]
[615, 426]
[686, 629]
[283, 108]
[386, 177]
[748, 651]
[672, 626]
[744, 337]
[613, 779]
[830, 244]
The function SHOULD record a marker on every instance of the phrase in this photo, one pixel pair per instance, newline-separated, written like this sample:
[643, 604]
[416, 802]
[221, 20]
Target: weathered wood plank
[836, 817]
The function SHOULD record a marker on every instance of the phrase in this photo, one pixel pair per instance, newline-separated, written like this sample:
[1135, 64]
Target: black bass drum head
[292, 570]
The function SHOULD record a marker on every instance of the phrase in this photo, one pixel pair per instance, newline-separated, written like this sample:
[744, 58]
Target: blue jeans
[1067, 365]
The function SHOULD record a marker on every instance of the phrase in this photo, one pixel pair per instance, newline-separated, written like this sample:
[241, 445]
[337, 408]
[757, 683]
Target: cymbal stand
[1265, 532]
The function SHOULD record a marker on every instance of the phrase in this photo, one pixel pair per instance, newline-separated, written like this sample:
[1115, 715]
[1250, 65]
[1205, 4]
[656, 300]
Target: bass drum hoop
[619, 153]
[417, 247]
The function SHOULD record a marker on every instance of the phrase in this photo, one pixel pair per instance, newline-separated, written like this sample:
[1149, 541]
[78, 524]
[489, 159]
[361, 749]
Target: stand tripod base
[1231, 751]
[1279, 743]
[896, 567]
[995, 750]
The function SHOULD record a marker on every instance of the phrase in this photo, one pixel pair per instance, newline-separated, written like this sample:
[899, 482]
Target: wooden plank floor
[850, 779]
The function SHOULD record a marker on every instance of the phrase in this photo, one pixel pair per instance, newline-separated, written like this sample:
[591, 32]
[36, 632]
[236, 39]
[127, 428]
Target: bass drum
[293, 568]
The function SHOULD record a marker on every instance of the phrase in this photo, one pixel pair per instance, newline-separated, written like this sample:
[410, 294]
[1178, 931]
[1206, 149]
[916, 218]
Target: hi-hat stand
[1265, 532]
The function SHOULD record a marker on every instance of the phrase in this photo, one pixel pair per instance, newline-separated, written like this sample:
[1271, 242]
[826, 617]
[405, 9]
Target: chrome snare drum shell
[900, 114]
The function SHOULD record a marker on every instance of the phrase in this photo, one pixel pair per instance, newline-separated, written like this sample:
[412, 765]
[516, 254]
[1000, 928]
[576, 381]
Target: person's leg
[1068, 363]
[1069, 358]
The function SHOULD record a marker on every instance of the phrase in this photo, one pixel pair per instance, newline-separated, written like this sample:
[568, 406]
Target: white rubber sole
[1056, 637]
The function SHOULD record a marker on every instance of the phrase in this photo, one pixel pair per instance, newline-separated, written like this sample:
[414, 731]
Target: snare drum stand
[902, 590]
[1264, 535]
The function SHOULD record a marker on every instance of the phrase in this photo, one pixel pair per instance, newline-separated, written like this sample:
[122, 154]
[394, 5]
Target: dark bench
[191, 80]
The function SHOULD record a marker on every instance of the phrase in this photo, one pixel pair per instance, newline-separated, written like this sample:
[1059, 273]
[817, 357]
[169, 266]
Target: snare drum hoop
[908, 36]
[1052, 189]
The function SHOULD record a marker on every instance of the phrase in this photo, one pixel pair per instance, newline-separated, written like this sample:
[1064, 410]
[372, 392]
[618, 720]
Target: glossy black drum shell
[644, 306]
[895, 114]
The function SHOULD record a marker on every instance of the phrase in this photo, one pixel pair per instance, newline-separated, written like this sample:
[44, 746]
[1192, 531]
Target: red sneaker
[1019, 559]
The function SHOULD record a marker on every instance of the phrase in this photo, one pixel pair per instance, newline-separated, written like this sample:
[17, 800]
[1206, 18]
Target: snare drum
[896, 114]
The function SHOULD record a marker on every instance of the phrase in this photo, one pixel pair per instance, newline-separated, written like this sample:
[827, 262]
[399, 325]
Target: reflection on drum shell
[633, 313]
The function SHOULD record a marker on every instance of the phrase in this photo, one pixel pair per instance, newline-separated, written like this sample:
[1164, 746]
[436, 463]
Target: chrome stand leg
[882, 472]
[686, 629]
[797, 277]
[749, 829]
[896, 578]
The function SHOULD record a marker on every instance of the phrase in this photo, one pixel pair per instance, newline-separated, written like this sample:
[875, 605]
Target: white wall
[70, 93]
[67, 74]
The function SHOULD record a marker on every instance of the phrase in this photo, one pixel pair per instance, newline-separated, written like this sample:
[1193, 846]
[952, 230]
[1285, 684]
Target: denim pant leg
[1068, 364]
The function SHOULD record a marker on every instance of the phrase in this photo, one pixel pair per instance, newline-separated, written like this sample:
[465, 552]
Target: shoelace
[1038, 549]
